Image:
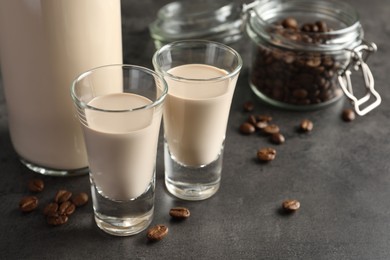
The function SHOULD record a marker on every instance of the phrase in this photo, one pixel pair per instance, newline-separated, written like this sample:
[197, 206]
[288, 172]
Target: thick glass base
[192, 183]
[123, 226]
[54, 172]
[191, 191]
[123, 218]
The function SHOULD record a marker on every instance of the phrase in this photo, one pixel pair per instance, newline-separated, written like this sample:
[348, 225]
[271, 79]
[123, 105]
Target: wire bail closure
[245, 8]
[359, 56]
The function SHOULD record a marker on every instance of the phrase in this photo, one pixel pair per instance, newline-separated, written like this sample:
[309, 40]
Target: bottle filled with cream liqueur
[42, 49]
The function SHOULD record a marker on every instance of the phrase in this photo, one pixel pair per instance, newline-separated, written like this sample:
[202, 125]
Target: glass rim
[84, 74]
[197, 43]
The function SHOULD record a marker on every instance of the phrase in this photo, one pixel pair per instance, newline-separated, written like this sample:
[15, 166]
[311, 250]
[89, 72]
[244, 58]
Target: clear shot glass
[120, 109]
[201, 77]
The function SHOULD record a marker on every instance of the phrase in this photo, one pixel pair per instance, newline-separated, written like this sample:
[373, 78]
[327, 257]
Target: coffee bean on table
[35, 185]
[306, 125]
[66, 208]
[252, 120]
[80, 199]
[262, 121]
[62, 195]
[277, 138]
[291, 205]
[348, 115]
[157, 232]
[266, 154]
[50, 209]
[271, 129]
[57, 219]
[179, 213]
[249, 106]
[247, 128]
[28, 204]
[261, 124]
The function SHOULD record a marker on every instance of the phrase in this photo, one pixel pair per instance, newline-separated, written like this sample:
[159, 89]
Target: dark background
[340, 172]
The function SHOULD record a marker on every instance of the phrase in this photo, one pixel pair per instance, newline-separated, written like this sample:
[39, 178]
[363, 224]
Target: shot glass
[201, 77]
[120, 109]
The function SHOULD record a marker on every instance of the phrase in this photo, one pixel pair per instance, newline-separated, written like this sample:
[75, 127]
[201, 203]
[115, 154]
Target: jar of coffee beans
[303, 52]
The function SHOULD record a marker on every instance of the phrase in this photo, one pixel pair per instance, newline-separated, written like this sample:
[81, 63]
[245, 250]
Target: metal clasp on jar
[359, 56]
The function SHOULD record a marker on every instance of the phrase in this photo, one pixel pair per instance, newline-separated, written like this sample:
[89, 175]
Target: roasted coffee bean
[179, 213]
[271, 129]
[290, 23]
[50, 209]
[300, 93]
[289, 58]
[266, 154]
[62, 195]
[157, 232]
[322, 26]
[277, 138]
[306, 125]
[307, 39]
[249, 106]
[36, 185]
[306, 27]
[291, 205]
[57, 219]
[327, 62]
[252, 120]
[292, 36]
[261, 124]
[310, 27]
[348, 115]
[313, 62]
[80, 199]
[66, 208]
[247, 128]
[28, 204]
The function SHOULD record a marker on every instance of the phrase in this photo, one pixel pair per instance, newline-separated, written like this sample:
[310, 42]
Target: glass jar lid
[218, 20]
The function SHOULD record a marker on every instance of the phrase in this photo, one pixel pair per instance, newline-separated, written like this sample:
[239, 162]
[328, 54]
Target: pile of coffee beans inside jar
[297, 77]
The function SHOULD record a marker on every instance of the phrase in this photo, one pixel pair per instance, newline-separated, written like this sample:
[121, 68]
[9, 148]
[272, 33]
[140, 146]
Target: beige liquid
[196, 113]
[44, 45]
[122, 146]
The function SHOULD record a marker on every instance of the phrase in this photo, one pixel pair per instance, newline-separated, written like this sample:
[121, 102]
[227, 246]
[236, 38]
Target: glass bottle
[42, 49]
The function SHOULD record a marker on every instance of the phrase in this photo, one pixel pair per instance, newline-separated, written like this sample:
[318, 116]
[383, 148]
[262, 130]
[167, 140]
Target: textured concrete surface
[340, 172]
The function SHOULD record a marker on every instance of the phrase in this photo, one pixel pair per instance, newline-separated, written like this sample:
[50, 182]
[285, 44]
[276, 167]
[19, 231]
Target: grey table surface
[340, 172]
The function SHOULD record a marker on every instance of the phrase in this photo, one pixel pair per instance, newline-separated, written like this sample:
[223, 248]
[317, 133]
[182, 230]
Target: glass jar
[302, 52]
[214, 20]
